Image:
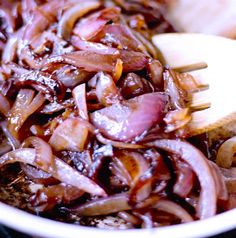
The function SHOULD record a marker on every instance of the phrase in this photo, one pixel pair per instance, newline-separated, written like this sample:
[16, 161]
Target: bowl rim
[43, 227]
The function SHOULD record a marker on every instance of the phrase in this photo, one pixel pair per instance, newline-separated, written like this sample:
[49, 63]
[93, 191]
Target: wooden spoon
[219, 53]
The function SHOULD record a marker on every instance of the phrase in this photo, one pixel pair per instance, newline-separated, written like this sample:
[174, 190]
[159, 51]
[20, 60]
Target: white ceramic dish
[42, 227]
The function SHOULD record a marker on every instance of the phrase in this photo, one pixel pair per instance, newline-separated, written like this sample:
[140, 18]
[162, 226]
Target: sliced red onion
[27, 7]
[134, 162]
[155, 69]
[89, 61]
[171, 87]
[199, 164]
[219, 181]
[226, 154]
[4, 105]
[44, 157]
[141, 189]
[42, 82]
[89, 27]
[119, 36]
[177, 119]
[133, 61]
[5, 147]
[173, 208]
[71, 76]
[42, 17]
[129, 218]
[37, 25]
[38, 176]
[104, 206]
[47, 197]
[79, 95]
[119, 170]
[62, 171]
[56, 106]
[94, 62]
[93, 46]
[27, 57]
[9, 52]
[71, 15]
[106, 90]
[25, 105]
[132, 85]
[15, 143]
[124, 121]
[184, 182]
[229, 176]
[71, 134]
[146, 44]
[8, 17]
[118, 144]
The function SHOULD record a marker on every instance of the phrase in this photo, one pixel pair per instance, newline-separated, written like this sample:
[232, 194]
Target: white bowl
[34, 225]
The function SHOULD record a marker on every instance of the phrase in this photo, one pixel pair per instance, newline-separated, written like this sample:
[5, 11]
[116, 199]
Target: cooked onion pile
[94, 122]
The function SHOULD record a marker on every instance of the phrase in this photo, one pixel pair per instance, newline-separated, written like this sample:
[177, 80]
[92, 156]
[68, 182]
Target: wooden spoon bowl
[219, 54]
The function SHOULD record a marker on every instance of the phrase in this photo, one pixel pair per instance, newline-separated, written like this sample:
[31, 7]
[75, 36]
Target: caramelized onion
[104, 206]
[173, 208]
[119, 121]
[62, 171]
[38, 176]
[70, 135]
[15, 143]
[93, 47]
[44, 156]
[70, 16]
[92, 25]
[106, 90]
[184, 182]
[134, 163]
[42, 82]
[118, 144]
[226, 154]
[79, 95]
[155, 69]
[4, 105]
[93, 62]
[198, 163]
[219, 181]
[46, 198]
[25, 105]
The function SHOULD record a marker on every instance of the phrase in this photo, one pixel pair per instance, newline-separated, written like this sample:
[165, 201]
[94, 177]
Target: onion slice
[94, 62]
[106, 90]
[47, 197]
[92, 46]
[220, 183]
[79, 95]
[25, 105]
[4, 105]
[70, 135]
[199, 164]
[92, 25]
[118, 144]
[62, 171]
[44, 157]
[70, 16]
[173, 208]
[184, 182]
[124, 121]
[104, 206]
[226, 154]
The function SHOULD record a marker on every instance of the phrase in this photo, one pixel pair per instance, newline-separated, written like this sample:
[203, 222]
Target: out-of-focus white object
[205, 16]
